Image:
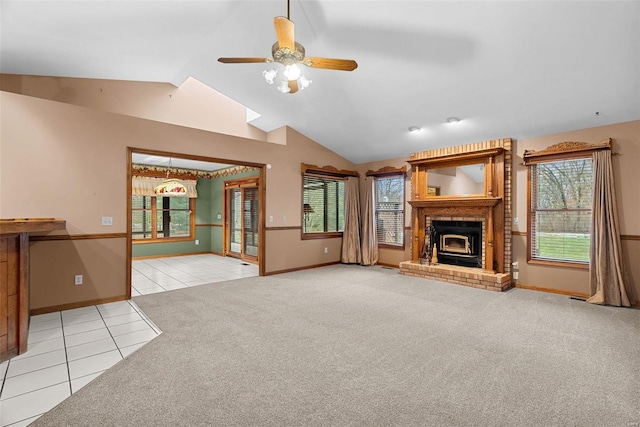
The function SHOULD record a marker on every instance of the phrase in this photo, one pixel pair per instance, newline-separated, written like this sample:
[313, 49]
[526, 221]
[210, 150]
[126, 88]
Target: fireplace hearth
[459, 242]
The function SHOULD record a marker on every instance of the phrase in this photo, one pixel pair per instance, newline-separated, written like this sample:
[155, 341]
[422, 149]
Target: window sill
[312, 236]
[388, 246]
[164, 240]
[565, 264]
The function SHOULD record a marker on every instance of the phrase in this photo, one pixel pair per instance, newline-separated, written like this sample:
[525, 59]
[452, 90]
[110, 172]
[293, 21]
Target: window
[560, 210]
[162, 218]
[390, 210]
[323, 204]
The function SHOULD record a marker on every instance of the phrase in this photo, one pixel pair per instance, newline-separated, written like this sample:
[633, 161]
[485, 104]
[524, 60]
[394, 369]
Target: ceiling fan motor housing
[286, 56]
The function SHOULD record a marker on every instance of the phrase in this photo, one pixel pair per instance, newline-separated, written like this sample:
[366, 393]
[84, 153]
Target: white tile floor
[165, 274]
[68, 349]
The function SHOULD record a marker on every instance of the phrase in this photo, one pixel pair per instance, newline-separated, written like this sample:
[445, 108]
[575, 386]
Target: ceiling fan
[289, 53]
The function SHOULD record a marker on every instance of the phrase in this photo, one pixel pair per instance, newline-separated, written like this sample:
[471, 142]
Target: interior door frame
[262, 177]
[241, 183]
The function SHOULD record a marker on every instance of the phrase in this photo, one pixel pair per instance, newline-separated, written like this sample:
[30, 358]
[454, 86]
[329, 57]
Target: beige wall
[626, 138]
[68, 161]
[54, 264]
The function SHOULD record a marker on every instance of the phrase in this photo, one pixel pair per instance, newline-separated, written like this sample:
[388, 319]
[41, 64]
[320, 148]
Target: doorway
[209, 212]
[242, 219]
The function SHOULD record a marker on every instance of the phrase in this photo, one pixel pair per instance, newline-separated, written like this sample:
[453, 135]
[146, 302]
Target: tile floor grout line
[4, 377]
[110, 334]
[66, 355]
[26, 355]
[36, 370]
[36, 389]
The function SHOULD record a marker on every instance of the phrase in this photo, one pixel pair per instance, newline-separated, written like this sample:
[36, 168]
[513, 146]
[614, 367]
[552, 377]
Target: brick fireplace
[486, 265]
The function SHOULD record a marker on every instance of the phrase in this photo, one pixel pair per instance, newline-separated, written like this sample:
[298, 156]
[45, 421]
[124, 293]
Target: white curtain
[607, 278]
[351, 253]
[369, 234]
[145, 185]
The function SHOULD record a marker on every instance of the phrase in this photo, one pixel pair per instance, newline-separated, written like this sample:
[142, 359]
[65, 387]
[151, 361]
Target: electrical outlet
[284, 218]
[270, 218]
[326, 250]
[107, 220]
[197, 242]
[219, 216]
[78, 279]
[515, 275]
[516, 221]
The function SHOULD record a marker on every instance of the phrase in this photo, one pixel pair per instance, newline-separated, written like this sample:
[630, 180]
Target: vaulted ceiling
[507, 68]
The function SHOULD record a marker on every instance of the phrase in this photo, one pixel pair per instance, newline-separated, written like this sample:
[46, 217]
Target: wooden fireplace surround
[494, 207]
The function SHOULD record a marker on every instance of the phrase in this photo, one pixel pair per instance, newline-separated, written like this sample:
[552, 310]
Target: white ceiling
[508, 68]
[176, 162]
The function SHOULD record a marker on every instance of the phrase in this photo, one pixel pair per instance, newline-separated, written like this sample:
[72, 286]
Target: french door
[242, 215]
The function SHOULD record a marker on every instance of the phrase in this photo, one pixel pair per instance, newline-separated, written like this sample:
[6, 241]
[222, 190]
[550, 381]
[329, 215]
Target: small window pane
[390, 210]
[323, 204]
[141, 224]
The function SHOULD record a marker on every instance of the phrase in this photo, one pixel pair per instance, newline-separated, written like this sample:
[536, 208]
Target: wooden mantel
[492, 206]
[456, 202]
[14, 280]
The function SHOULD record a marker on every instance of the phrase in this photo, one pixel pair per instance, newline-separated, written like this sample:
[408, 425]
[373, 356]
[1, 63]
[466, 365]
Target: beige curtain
[607, 277]
[351, 253]
[369, 236]
[145, 186]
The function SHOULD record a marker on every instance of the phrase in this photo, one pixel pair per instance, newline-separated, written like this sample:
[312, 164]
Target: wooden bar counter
[14, 280]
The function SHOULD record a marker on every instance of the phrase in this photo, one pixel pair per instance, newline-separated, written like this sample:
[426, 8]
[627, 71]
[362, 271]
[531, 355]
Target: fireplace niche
[458, 242]
[473, 235]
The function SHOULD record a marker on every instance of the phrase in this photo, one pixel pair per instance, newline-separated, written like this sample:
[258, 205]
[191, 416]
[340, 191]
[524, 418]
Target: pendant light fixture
[171, 187]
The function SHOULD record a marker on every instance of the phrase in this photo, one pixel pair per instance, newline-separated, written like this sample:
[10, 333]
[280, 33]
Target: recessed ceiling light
[453, 120]
[414, 129]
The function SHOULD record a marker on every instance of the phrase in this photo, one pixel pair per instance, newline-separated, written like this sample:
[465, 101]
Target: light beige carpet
[350, 345]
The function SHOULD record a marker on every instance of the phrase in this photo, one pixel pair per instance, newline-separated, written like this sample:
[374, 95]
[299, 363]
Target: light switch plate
[107, 220]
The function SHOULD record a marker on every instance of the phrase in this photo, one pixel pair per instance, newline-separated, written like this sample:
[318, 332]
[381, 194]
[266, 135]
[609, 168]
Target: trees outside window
[390, 210]
[560, 210]
[162, 218]
[323, 204]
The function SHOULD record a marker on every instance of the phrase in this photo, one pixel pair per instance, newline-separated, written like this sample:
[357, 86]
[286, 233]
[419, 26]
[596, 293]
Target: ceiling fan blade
[331, 64]
[284, 32]
[293, 85]
[243, 60]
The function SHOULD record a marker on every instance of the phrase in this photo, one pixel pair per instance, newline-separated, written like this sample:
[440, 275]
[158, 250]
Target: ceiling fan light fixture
[292, 72]
[269, 75]
[284, 86]
[303, 82]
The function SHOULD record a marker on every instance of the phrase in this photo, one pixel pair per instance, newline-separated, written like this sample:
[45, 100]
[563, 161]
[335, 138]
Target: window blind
[323, 208]
[389, 205]
[561, 198]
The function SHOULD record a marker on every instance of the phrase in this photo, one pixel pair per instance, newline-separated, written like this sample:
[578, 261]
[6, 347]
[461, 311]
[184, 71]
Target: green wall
[209, 204]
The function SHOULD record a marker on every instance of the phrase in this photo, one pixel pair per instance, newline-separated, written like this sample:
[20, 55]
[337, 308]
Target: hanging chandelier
[171, 187]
